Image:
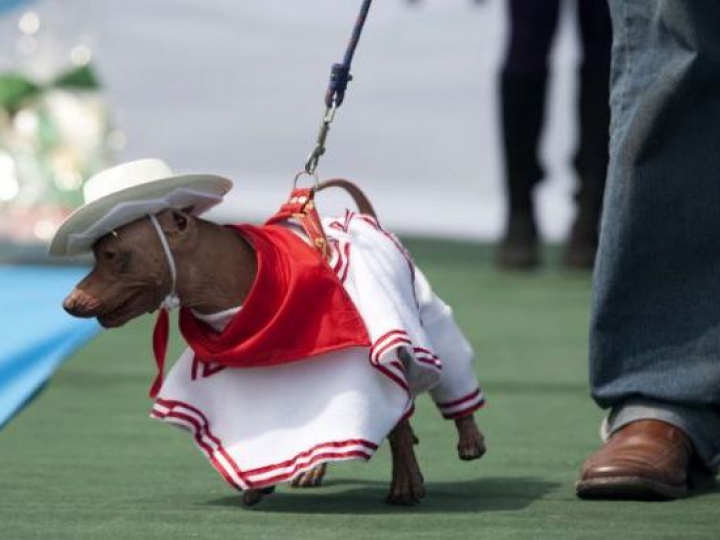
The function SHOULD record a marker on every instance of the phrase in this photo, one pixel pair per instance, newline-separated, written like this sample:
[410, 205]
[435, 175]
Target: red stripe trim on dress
[464, 412]
[422, 354]
[346, 222]
[409, 412]
[198, 433]
[342, 264]
[382, 340]
[332, 444]
[335, 246]
[370, 220]
[208, 369]
[204, 428]
[346, 261]
[201, 430]
[400, 340]
[172, 404]
[429, 362]
[188, 422]
[348, 218]
[459, 401]
[427, 356]
[397, 365]
[328, 456]
[300, 467]
[395, 378]
[386, 336]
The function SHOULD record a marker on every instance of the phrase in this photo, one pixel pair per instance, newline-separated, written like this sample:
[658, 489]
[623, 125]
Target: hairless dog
[215, 269]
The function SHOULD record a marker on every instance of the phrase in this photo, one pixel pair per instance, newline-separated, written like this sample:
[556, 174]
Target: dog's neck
[219, 273]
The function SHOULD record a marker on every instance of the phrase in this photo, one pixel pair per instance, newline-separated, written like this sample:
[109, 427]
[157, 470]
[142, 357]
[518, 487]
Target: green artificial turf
[85, 461]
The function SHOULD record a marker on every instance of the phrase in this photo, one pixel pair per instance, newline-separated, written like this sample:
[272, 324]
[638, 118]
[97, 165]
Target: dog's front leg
[408, 486]
[471, 443]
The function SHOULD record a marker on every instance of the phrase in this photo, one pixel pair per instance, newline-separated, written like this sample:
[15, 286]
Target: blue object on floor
[36, 334]
[7, 5]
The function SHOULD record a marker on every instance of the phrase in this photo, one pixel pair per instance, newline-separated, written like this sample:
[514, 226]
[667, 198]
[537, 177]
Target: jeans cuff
[701, 425]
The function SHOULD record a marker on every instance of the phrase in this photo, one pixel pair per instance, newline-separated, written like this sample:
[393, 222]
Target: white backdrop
[235, 87]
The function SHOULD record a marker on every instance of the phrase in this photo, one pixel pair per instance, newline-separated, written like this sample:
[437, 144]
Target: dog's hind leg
[408, 486]
[471, 443]
[311, 478]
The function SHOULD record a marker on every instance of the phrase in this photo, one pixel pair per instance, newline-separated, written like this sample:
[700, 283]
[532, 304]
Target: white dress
[262, 426]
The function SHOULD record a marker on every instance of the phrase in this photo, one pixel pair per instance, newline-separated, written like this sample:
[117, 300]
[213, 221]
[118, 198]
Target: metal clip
[314, 157]
[312, 175]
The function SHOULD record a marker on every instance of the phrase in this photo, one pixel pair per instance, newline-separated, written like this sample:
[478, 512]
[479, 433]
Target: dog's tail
[360, 199]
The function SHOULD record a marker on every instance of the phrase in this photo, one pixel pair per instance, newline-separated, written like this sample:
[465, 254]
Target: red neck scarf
[296, 309]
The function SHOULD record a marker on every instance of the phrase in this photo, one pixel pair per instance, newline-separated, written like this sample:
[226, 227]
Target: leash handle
[334, 96]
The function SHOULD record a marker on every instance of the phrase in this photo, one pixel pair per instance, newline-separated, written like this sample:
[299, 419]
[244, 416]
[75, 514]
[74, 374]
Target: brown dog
[215, 269]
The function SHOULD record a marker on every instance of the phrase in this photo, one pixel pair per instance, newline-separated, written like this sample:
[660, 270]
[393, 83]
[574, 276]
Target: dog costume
[323, 359]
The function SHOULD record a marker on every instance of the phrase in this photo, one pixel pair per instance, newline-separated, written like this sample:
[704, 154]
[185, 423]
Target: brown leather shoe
[647, 459]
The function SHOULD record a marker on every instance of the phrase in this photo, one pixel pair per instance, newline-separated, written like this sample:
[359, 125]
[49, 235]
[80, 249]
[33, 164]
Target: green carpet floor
[85, 461]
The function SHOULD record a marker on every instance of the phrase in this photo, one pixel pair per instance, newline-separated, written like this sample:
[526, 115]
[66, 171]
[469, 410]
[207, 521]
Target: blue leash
[339, 78]
[340, 74]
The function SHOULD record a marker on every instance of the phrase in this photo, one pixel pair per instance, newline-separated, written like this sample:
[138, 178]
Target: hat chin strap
[172, 300]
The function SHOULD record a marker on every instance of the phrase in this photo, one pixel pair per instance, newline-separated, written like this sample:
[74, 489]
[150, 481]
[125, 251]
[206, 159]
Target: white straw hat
[122, 194]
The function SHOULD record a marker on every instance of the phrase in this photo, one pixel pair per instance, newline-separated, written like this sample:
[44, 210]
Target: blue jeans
[655, 330]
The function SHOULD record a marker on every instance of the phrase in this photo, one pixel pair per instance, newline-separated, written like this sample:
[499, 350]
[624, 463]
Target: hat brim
[195, 193]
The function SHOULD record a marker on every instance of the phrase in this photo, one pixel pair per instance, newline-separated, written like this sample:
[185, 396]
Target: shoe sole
[629, 488]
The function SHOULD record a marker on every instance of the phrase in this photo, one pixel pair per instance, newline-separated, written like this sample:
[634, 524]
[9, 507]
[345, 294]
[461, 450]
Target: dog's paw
[471, 449]
[406, 489]
[471, 443]
[250, 497]
[311, 478]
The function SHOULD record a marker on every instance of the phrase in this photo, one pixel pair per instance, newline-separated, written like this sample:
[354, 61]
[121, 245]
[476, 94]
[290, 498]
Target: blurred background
[236, 88]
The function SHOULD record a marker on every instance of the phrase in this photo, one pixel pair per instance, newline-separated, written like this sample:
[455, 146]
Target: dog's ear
[179, 227]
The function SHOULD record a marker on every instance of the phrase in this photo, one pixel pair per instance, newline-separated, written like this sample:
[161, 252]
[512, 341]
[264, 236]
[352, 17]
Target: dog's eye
[108, 255]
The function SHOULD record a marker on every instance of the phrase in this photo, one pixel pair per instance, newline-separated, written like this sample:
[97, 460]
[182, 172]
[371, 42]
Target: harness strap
[301, 207]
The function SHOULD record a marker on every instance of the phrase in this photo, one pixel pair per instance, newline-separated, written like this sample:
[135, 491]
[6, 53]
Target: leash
[340, 76]
[301, 204]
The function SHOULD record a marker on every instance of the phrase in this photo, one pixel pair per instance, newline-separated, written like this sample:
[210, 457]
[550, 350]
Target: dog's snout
[81, 304]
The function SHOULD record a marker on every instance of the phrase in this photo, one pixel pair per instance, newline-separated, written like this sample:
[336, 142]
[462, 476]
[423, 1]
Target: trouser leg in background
[591, 159]
[655, 330]
[523, 88]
